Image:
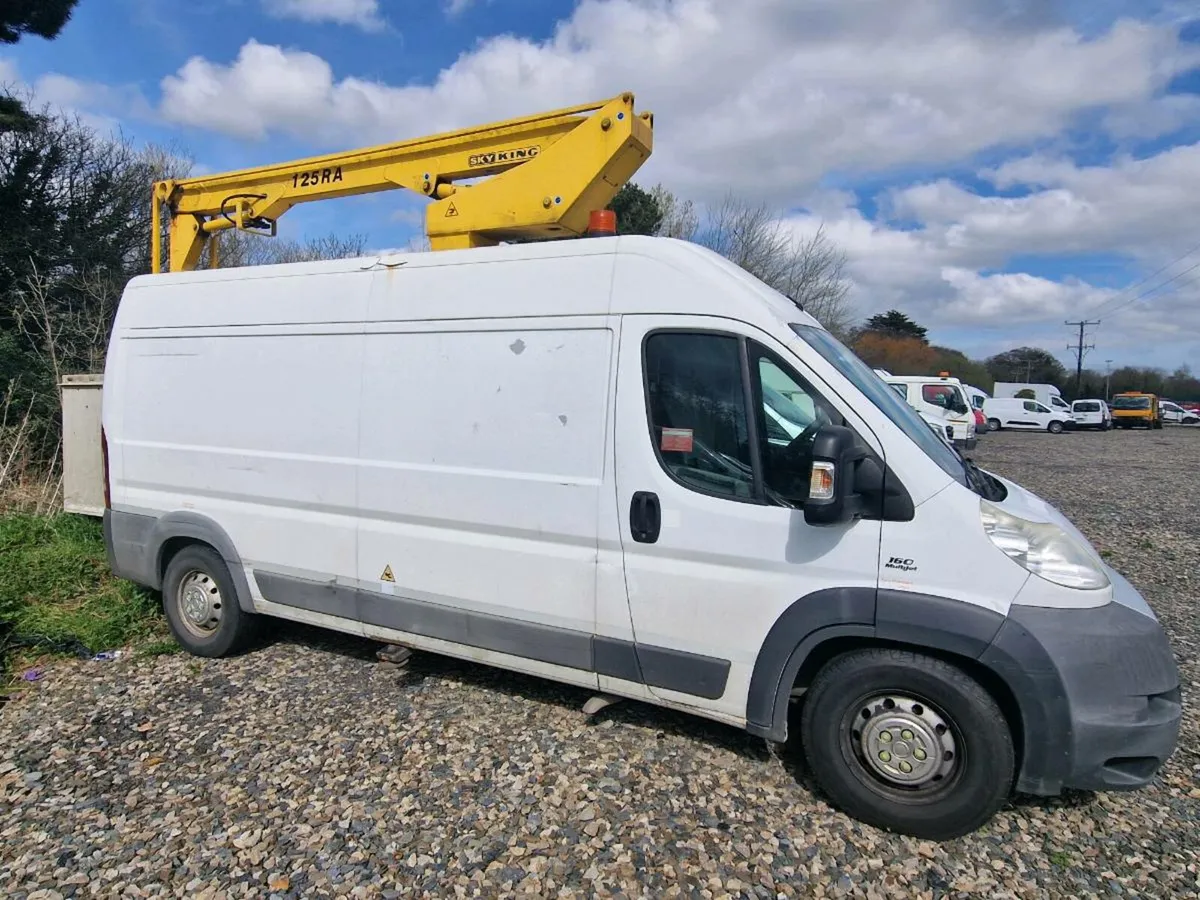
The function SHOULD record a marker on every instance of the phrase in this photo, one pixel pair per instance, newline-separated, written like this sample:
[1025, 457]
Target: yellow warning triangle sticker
[387, 575]
[451, 211]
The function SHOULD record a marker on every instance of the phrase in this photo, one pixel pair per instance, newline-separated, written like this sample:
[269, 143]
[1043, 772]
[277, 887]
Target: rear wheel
[993, 424]
[1055, 427]
[201, 604]
[907, 742]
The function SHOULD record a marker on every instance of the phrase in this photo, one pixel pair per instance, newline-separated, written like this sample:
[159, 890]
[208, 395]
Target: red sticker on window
[677, 440]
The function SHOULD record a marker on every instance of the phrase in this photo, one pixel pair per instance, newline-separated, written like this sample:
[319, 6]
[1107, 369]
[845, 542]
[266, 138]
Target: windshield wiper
[978, 479]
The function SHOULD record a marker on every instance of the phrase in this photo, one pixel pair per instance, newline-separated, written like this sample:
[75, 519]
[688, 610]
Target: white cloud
[1143, 207]
[455, 8]
[765, 95]
[361, 13]
[98, 105]
[938, 270]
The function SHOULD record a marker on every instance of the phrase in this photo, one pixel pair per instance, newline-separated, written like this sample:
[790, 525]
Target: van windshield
[1087, 406]
[881, 394]
[1131, 403]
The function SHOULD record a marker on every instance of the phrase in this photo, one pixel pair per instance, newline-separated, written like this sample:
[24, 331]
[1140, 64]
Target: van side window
[791, 413]
[1031, 406]
[697, 404]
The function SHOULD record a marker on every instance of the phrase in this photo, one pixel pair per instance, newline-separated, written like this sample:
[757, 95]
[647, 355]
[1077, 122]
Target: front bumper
[967, 444]
[1098, 691]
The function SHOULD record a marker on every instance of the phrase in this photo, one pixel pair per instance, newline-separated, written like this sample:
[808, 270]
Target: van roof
[920, 379]
[684, 256]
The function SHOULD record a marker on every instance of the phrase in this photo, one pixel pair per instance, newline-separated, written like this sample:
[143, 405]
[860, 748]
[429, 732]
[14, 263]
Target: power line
[1152, 290]
[1150, 277]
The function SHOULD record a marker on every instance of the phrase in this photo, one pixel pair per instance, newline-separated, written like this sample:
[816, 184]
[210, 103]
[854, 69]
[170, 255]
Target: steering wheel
[804, 440]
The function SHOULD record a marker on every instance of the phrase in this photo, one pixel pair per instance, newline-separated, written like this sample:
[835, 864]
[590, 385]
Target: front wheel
[908, 743]
[201, 605]
[1055, 427]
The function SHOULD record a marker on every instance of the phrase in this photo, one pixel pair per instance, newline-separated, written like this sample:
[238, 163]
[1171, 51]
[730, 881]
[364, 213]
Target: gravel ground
[308, 768]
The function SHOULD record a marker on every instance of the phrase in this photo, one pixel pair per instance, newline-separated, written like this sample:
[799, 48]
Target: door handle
[645, 517]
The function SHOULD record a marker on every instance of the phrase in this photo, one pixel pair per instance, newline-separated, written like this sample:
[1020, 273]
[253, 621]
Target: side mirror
[832, 499]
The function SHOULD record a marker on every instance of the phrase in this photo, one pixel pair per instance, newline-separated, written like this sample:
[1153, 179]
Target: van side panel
[237, 410]
[482, 456]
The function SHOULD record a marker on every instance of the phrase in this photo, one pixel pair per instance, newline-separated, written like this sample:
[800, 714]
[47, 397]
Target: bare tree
[679, 217]
[241, 248]
[809, 270]
[66, 320]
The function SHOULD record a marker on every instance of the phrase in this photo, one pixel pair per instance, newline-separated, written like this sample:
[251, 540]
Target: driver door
[704, 434]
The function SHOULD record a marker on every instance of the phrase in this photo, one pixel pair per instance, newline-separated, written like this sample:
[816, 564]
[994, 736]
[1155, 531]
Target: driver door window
[697, 404]
[706, 420]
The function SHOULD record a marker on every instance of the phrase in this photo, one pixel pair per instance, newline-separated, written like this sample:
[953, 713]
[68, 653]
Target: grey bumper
[967, 444]
[1098, 691]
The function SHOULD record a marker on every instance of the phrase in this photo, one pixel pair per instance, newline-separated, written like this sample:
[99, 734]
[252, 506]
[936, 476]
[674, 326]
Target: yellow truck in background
[1132, 409]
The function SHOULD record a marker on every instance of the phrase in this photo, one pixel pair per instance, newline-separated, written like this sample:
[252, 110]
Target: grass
[58, 596]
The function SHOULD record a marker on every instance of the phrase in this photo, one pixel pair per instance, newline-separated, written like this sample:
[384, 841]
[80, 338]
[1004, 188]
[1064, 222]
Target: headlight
[1043, 549]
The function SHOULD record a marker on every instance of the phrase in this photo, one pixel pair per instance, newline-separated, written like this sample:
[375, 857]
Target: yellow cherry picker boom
[536, 177]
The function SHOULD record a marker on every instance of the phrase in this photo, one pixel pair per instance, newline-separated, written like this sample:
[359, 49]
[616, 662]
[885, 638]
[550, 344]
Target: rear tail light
[104, 460]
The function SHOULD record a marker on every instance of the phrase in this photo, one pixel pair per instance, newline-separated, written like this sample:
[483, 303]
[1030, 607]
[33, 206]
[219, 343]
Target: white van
[556, 458]
[936, 419]
[1045, 394]
[1030, 415]
[943, 395]
[1091, 414]
[1175, 414]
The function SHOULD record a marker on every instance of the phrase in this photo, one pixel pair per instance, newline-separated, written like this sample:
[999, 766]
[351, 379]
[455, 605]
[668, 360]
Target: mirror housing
[832, 497]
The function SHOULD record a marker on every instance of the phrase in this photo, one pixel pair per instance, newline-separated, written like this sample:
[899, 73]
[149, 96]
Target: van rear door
[713, 534]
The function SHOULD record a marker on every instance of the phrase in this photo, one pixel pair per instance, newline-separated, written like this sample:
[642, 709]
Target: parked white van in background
[558, 458]
[936, 419]
[1045, 394]
[943, 395]
[1091, 414]
[1175, 414]
[1029, 415]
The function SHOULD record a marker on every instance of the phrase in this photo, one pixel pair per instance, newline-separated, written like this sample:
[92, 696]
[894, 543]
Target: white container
[83, 464]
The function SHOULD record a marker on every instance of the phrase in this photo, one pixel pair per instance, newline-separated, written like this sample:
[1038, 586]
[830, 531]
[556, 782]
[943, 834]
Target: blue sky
[992, 167]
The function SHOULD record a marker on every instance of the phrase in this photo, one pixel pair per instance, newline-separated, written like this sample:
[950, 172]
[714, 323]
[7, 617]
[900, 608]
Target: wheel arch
[176, 530]
[825, 624]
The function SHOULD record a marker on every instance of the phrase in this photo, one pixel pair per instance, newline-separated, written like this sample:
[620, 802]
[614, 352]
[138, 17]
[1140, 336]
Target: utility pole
[1107, 380]
[1080, 349]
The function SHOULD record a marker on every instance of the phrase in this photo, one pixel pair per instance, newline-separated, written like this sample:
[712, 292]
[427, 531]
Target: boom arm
[542, 176]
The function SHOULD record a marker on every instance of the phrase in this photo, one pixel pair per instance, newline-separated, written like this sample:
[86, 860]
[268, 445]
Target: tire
[196, 587]
[993, 425]
[1055, 427]
[948, 707]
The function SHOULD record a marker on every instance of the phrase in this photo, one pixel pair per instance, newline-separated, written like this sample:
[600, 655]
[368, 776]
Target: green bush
[57, 593]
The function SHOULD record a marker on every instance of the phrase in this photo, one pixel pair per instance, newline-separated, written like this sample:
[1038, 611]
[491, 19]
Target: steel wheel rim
[902, 744]
[199, 602]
